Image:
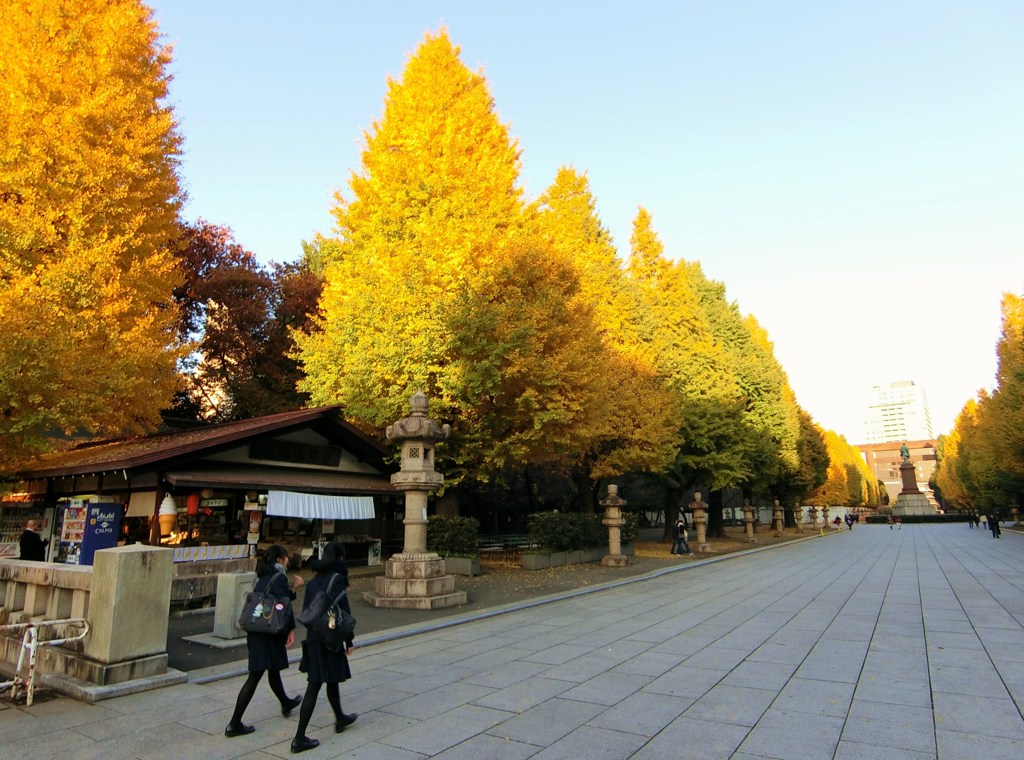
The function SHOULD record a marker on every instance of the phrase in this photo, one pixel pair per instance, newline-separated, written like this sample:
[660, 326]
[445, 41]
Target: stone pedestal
[415, 579]
[613, 505]
[910, 500]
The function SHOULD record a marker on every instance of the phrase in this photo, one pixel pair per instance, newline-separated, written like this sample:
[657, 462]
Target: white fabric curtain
[319, 507]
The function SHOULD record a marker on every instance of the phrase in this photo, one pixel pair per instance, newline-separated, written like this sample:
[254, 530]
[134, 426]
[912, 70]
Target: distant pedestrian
[679, 543]
[993, 525]
[268, 652]
[970, 521]
[899, 522]
[984, 521]
[977, 520]
[849, 521]
[889, 520]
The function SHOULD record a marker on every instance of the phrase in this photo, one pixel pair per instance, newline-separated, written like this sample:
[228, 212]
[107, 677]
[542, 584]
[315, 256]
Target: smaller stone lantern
[700, 522]
[824, 517]
[777, 518]
[812, 516]
[798, 516]
[748, 521]
[613, 519]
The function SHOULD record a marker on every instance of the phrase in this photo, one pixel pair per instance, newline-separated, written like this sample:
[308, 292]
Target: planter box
[536, 561]
[575, 557]
[462, 565]
[557, 559]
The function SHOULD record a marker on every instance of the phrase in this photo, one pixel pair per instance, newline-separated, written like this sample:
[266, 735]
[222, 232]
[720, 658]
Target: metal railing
[30, 641]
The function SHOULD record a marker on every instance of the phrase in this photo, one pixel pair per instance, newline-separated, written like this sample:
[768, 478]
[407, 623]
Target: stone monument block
[129, 603]
[231, 591]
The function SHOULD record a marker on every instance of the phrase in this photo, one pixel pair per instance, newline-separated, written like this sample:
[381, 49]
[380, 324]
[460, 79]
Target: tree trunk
[716, 523]
[585, 492]
[673, 497]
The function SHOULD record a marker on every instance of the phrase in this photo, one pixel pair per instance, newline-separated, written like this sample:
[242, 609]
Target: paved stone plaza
[874, 643]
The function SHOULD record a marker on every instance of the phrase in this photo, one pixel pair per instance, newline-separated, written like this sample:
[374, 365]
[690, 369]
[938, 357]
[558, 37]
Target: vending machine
[88, 527]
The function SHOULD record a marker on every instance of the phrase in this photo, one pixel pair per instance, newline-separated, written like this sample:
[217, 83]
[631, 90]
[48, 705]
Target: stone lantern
[824, 517]
[1015, 511]
[812, 516]
[777, 518]
[613, 519]
[748, 521]
[700, 522]
[415, 578]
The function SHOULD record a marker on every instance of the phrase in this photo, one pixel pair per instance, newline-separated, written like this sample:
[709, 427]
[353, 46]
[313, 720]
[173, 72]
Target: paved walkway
[875, 643]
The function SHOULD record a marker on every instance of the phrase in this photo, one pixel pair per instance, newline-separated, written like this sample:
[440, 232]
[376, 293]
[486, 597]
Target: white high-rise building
[897, 412]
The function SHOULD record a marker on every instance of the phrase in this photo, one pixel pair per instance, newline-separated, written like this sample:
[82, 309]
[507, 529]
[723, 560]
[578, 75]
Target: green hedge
[568, 531]
[453, 536]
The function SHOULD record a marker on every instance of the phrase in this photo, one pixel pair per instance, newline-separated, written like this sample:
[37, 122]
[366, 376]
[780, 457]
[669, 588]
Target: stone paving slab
[864, 644]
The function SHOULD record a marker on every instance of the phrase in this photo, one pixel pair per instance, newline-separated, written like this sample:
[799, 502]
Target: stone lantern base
[614, 560]
[415, 582]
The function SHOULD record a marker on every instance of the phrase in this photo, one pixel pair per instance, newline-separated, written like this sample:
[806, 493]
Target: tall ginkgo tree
[89, 198]
[433, 204]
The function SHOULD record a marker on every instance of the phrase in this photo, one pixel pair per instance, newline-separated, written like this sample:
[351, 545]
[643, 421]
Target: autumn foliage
[89, 198]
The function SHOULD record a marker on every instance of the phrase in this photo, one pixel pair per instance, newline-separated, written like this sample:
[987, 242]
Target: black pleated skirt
[266, 652]
[322, 665]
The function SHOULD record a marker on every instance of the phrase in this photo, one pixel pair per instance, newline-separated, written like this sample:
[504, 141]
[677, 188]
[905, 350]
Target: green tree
[640, 430]
[89, 198]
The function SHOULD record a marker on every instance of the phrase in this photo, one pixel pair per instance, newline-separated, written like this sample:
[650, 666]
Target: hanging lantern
[192, 504]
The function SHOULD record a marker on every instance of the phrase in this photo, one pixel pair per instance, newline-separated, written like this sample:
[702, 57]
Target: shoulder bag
[262, 612]
[328, 620]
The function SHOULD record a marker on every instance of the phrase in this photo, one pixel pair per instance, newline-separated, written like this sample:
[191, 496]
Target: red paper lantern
[192, 504]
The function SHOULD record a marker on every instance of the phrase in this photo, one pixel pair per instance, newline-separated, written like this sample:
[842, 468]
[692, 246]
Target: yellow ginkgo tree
[89, 198]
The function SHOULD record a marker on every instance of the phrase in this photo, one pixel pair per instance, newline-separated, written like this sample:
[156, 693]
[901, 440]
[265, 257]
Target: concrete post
[231, 591]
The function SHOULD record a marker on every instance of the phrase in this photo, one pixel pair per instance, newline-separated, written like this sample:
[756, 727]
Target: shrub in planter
[453, 536]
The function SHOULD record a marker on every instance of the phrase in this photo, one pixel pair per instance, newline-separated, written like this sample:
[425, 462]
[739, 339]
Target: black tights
[309, 702]
[249, 689]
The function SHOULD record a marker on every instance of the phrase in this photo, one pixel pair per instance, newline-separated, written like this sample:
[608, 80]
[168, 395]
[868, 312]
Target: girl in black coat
[321, 665]
[268, 652]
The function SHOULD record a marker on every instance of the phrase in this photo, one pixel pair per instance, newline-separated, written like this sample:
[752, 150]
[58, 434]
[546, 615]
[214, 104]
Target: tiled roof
[167, 447]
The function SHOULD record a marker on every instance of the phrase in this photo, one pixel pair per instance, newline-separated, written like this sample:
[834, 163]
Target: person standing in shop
[31, 546]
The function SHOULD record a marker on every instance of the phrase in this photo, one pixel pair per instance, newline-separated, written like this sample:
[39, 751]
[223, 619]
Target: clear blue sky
[852, 171]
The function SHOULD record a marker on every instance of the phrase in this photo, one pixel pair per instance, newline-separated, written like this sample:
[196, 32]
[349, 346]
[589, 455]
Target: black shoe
[303, 743]
[346, 720]
[291, 704]
[238, 729]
